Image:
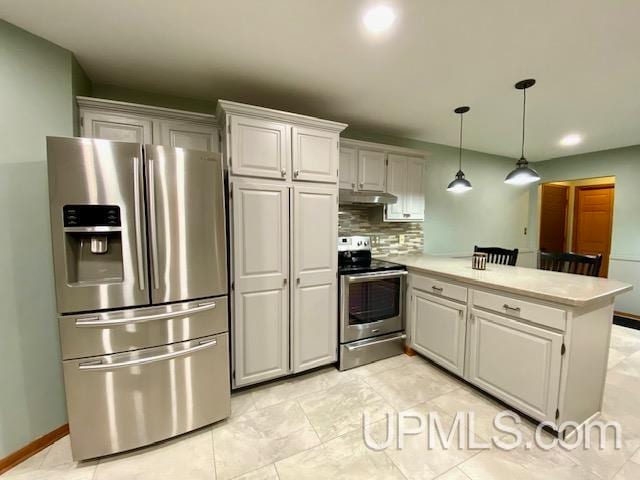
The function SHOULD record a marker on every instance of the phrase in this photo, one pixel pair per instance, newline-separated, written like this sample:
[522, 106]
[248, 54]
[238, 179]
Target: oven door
[371, 304]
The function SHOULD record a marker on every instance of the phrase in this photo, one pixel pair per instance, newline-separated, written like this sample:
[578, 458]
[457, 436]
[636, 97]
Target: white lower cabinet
[517, 362]
[314, 306]
[438, 329]
[260, 257]
[278, 326]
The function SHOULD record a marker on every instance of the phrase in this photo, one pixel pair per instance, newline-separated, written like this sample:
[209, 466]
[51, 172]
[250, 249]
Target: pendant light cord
[460, 149]
[524, 110]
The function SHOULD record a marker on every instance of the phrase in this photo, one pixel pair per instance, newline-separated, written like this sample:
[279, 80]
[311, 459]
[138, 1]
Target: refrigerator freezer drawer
[128, 400]
[104, 333]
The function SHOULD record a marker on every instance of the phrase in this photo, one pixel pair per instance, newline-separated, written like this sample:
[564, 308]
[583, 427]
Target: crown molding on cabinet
[226, 107]
[383, 147]
[145, 110]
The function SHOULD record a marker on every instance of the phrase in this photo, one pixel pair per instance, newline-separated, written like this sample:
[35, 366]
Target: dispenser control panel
[91, 216]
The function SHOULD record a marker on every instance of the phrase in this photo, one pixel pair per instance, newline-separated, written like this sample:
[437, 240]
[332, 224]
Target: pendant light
[460, 184]
[523, 174]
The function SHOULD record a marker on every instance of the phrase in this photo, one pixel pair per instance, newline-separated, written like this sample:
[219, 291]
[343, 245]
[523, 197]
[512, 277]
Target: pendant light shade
[523, 174]
[460, 184]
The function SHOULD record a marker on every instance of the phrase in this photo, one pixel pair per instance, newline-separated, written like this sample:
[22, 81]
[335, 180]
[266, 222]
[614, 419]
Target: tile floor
[309, 428]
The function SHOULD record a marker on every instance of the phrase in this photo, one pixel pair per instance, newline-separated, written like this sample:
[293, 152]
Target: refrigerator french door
[139, 250]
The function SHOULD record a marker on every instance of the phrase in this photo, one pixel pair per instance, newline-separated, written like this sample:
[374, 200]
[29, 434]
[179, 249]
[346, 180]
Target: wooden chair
[569, 262]
[501, 256]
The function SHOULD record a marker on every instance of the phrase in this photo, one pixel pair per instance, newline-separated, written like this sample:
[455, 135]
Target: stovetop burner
[354, 256]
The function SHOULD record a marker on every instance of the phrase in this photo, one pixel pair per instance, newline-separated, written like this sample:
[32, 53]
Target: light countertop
[563, 288]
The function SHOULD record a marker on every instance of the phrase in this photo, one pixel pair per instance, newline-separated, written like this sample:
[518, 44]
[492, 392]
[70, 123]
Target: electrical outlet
[401, 239]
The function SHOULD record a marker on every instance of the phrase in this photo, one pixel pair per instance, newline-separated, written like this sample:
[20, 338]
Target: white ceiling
[313, 57]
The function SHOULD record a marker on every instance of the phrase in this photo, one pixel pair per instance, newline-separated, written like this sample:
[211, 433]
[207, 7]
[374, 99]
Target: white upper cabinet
[405, 181]
[130, 122]
[371, 170]
[118, 128]
[189, 135]
[348, 168]
[259, 148]
[314, 315]
[266, 143]
[260, 266]
[314, 155]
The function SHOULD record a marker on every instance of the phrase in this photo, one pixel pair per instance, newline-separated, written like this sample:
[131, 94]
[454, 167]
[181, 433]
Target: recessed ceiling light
[379, 18]
[570, 140]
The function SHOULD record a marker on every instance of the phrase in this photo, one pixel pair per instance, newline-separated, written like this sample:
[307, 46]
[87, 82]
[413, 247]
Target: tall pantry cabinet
[283, 212]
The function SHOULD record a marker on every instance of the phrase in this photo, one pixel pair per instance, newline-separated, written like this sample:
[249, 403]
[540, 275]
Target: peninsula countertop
[562, 288]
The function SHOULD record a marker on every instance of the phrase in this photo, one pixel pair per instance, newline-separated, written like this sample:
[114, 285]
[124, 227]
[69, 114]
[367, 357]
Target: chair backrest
[502, 256]
[569, 262]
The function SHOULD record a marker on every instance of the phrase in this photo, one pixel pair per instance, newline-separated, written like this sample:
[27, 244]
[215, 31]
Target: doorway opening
[577, 216]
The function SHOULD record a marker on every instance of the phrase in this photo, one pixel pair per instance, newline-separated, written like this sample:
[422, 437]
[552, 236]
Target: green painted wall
[35, 94]
[493, 213]
[624, 164]
[122, 94]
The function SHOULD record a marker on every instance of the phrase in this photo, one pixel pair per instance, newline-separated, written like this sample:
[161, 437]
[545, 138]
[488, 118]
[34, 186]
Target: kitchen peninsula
[537, 340]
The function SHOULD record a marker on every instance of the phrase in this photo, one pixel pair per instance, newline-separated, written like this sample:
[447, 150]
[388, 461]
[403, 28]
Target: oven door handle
[375, 276]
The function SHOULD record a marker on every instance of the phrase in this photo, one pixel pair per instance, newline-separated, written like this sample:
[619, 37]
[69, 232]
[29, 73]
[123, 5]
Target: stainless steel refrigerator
[139, 248]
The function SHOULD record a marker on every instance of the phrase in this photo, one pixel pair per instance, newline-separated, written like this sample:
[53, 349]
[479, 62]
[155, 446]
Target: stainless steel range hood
[366, 198]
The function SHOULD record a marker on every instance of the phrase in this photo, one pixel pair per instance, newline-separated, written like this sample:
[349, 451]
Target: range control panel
[91, 216]
[354, 244]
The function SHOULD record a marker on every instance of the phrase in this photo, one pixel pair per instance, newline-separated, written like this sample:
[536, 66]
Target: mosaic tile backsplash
[385, 236]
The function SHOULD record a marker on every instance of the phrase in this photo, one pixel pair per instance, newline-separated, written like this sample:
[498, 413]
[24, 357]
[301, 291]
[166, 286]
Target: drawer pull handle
[509, 307]
[100, 323]
[436, 289]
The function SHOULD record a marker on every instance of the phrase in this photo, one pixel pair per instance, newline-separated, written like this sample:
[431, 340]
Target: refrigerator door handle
[94, 365]
[137, 208]
[97, 322]
[153, 225]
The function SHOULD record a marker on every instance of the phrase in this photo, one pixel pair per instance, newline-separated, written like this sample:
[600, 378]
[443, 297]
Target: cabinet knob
[283, 172]
[353, 185]
[361, 185]
[296, 173]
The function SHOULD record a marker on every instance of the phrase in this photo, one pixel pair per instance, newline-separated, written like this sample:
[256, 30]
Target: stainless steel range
[371, 310]
[139, 250]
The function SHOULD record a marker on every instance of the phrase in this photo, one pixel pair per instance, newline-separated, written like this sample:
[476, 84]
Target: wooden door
[438, 328]
[315, 155]
[414, 194]
[117, 128]
[315, 263]
[593, 217]
[260, 256]
[259, 148]
[189, 135]
[371, 170]
[348, 168]
[516, 362]
[396, 185]
[553, 218]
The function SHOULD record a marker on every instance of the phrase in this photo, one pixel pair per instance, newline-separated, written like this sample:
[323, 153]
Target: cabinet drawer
[440, 288]
[533, 312]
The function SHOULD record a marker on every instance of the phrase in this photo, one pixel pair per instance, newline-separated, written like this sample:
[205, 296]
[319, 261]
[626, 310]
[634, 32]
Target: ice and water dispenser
[93, 242]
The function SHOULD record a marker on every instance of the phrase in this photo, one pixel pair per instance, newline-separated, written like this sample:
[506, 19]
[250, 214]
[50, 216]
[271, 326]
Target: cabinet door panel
[438, 330]
[414, 192]
[315, 155]
[371, 170]
[259, 148]
[315, 307]
[516, 362]
[260, 217]
[118, 128]
[396, 185]
[348, 168]
[189, 135]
